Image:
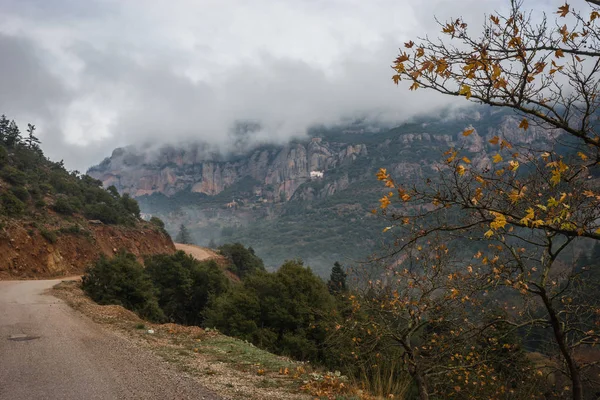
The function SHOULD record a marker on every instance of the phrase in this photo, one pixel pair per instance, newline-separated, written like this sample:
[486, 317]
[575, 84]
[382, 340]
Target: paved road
[49, 351]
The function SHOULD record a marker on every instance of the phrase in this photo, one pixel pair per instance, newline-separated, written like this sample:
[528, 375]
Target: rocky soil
[33, 250]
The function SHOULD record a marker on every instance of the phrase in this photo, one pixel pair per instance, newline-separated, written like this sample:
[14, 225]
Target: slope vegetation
[54, 222]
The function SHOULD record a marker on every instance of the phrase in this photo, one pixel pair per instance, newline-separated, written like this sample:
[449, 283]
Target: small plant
[158, 222]
[74, 229]
[63, 206]
[11, 205]
[50, 236]
[20, 192]
[330, 386]
[46, 188]
[13, 176]
[141, 325]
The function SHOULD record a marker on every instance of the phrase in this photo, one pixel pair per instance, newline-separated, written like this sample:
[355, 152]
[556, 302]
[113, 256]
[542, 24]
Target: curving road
[49, 351]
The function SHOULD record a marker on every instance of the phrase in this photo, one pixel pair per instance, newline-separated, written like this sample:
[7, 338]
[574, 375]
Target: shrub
[20, 192]
[122, 281]
[284, 312]
[63, 206]
[130, 205]
[40, 203]
[13, 176]
[35, 192]
[244, 260]
[46, 188]
[75, 203]
[185, 285]
[158, 222]
[102, 212]
[50, 236]
[74, 229]
[11, 205]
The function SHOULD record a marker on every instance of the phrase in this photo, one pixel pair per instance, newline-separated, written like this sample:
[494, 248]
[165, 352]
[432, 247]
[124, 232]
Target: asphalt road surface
[49, 351]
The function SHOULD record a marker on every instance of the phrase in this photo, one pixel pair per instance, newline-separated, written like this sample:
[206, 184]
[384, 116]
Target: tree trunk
[564, 350]
[421, 385]
[416, 373]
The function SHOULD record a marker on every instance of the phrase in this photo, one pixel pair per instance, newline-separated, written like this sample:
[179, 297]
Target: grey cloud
[136, 74]
[27, 85]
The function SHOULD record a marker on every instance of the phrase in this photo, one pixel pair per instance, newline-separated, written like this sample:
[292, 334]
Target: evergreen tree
[244, 260]
[32, 141]
[113, 191]
[184, 235]
[4, 124]
[13, 135]
[337, 279]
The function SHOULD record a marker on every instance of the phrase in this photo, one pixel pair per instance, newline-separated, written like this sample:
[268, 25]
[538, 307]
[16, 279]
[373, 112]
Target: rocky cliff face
[278, 172]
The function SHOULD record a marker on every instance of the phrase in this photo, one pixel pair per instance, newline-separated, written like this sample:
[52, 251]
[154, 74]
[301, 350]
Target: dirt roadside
[199, 253]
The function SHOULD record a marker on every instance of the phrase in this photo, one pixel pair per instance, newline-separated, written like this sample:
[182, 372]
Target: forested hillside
[52, 221]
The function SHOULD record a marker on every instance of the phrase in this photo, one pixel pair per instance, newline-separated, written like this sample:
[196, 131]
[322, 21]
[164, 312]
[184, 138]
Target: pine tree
[13, 135]
[337, 279]
[184, 235]
[4, 124]
[32, 141]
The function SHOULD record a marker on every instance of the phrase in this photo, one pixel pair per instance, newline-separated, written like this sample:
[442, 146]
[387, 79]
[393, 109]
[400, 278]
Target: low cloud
[120, 73]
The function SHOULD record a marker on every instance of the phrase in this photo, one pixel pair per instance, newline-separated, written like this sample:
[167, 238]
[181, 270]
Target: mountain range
[311, 198]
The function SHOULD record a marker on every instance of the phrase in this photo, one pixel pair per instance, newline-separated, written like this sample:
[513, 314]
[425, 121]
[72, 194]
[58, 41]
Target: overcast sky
[97, 74]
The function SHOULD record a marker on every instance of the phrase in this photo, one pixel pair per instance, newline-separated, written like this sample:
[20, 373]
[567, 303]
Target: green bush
[13, 176]
[130, 205]
[50, 236]
[122, 281]
[185, 285]
[20, 192]
[76, 204]
[74, 229]
[11, 205]
[102, 212]
[158, 222]
[63, 206]
[35, 192]
[244, 261]
[285, 312]
[46, 188]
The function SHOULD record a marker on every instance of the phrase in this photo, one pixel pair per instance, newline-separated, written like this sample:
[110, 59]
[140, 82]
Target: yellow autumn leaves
[499, 222]
[385, 201]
